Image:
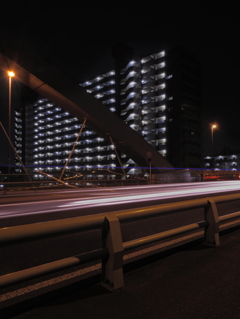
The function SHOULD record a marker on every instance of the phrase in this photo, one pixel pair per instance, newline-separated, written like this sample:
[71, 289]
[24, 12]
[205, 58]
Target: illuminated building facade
[225, 161]
[158, 96]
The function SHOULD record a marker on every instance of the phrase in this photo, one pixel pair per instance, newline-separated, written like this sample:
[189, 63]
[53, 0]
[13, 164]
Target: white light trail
[141, 197]
[119, 195]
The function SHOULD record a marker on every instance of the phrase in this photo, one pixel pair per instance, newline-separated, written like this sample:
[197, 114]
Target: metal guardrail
[112, 246]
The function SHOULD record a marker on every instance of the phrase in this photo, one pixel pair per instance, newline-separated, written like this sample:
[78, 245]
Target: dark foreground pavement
[193, 281]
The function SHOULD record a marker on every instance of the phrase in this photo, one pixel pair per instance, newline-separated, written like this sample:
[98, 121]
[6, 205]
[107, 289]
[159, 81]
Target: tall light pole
[213, 126]
[10, 75]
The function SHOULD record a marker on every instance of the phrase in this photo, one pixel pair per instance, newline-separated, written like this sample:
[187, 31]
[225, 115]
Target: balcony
[148, 116]
[149, 126]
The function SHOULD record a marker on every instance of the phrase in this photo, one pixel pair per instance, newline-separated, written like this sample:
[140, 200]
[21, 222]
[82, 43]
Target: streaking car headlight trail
[116, 196]
[141, 197]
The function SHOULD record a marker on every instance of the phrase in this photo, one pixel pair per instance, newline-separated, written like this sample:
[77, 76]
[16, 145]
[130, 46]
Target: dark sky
[79, 39]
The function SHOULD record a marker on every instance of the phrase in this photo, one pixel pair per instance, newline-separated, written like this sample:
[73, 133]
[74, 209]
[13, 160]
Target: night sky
[79, 42]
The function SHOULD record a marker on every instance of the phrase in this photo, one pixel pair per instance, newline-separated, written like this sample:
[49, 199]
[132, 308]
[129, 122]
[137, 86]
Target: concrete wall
[179, 176]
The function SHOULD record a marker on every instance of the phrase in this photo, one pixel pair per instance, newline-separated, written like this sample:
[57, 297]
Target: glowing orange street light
[10, 75]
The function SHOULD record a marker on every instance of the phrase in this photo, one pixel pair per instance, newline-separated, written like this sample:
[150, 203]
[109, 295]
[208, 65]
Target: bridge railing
[113, 247]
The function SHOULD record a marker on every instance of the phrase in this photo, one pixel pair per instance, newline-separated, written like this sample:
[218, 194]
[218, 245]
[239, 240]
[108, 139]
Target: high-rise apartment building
[159, 96]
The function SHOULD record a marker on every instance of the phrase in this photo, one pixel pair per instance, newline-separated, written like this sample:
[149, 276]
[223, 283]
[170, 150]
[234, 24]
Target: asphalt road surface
[52, 204]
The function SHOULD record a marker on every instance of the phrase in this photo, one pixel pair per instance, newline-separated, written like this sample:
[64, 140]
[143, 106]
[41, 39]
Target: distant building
[159, 96]
[223, 161]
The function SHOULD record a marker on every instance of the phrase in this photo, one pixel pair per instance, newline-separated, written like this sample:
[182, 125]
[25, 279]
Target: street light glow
[214, 126]
[11, 73]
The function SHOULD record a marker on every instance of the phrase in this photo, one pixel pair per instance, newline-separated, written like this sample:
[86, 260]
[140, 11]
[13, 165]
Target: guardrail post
[112, 272]
[211, 232]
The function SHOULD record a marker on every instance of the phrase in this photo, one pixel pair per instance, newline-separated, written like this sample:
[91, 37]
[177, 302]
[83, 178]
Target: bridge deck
[193, 282]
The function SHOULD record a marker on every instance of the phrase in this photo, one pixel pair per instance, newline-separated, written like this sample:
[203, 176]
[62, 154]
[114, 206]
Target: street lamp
[10, 75]
[213, 126]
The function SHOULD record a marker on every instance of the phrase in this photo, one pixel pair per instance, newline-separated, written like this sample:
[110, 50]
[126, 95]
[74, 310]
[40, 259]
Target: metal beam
[38, 74]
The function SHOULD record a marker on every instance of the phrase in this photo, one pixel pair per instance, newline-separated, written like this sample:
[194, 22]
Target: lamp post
[10, 75]
[213, 126]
